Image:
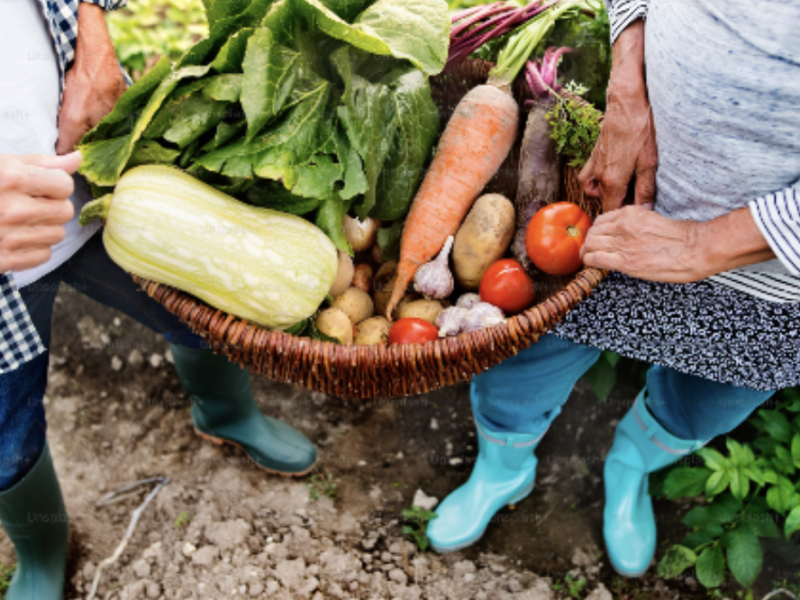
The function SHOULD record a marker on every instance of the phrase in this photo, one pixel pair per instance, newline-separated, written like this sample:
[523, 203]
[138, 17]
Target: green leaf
[369, 119]
[711, 567]
[224, 88]
[417, 30]
[389, 241]
[355, 181]
[133, 98]
[272, 194]
[602, 378]
[717, 483]
[231, 55]
[685, 482]
[417, 128]
[738, 455]
[740, 484]
[330, 218]
[744, 555]
[103, 162]
[714, 460]
[792, 523]
[270, 71]
[776, 425]
[696, 539]
[149, 152]
[725, 508]
[699, 516]
[317, 178]
[347, 9]
[796, 450]
[225, 133]
[315, 334]
[779, 496]
[676, 560]
[217, 10]
[194, 117]
[762, 525]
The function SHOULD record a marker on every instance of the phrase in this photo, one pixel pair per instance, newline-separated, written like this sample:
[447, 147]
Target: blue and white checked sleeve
[622, 13]
[19, 340]
[778, 217]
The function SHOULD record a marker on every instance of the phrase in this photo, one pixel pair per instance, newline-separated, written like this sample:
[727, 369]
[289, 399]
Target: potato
[363, 277]
[482, 239]
[361, 234]
[336, 324]
[356, 304]
[408, 298]
[421, 309]
[382, 285]
[373, 332]
[344, 276]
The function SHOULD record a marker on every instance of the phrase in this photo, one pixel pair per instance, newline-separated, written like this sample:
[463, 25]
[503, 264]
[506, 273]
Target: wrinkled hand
[34, 207]
[641, 243]
[93, 84]
[627, 143]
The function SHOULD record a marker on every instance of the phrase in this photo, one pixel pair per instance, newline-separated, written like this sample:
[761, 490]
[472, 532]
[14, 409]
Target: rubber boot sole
[221, 442]
[444, 550]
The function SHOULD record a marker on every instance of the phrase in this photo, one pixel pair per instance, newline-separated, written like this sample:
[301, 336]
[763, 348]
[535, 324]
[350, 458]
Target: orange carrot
[474, 144]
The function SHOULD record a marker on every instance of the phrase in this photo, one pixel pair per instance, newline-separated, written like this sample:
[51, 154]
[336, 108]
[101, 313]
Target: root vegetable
[344, 276]
[482, 239]
[362, 279]
[336, 324]
[356, 304]
[361, 234]
[427, 310]
[373, 331]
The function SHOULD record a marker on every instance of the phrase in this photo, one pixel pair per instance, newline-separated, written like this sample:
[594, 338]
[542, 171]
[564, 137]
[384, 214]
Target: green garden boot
[36, 522]
[225, 412]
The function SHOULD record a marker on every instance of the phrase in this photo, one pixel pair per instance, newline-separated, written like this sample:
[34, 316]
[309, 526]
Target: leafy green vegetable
[330, 218]
[576, 128]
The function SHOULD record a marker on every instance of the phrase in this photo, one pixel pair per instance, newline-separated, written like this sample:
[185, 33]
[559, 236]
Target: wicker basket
[398, 370]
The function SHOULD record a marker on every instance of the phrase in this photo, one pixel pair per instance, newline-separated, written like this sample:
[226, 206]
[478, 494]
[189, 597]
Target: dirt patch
[223, 528]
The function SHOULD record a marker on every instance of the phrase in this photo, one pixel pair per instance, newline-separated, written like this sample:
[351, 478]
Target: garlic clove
[480, 316]
[434, 280]
[449, 321]
[468, 301]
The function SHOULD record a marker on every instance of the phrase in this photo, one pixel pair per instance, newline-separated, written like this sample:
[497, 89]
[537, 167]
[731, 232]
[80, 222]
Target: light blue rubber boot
[641, 446]
[503, 474]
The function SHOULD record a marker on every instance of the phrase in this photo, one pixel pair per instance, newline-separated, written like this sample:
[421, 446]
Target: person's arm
[95, 82]
[627, 142]
[34, 207]
[777, 217]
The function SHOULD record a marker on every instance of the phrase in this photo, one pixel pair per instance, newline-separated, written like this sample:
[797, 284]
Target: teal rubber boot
[503, 474]
[225, 412]
[36, 522]
[641, 446]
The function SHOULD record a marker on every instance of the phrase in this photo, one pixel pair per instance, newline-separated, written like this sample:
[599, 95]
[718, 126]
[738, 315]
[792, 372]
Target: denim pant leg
[693, 408]
[92, 272]
[23, 428]
[525, 393]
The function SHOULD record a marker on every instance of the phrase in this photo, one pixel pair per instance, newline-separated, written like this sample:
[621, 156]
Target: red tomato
[507, 286]
[555, 237]
[412, 331]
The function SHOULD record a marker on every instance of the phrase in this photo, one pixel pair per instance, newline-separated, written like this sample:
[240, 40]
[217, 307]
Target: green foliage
[417, 524]
[572, 586]
[576, 127]
[147, 29]
[6, 573]
[751, 492]
[322, 484]
[183, 520]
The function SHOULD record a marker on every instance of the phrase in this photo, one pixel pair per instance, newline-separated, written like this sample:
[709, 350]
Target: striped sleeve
[108, 4]
[622, 13]
[778, 217]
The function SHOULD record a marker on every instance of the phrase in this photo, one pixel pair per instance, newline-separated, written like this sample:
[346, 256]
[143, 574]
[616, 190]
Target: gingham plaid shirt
[19, 340]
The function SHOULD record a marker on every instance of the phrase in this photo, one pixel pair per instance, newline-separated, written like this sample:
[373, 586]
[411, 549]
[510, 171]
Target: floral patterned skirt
[700, 328]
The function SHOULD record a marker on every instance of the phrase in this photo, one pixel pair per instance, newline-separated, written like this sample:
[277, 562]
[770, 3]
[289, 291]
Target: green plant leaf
[740, 484]
[194, 117]
[231, 55]
[330, 218]
[778, 496]
[224, 88]
[272, 194]
[417, 30]
[796, 449]
[717, 483]
[347, 9]
[699, 516]
[738, 455]
[676, 560]
[725, 508]
[744, 555]
[417, 128]
[389, 240]
[696, 539]
[711, 567]
[601, 377]
[792, 523]
[776, 425]
[685, 482]
[714, 460]
[149, 152]
[317, 178]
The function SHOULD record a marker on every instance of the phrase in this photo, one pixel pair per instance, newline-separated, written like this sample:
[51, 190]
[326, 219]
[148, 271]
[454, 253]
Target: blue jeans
[525, 393]
[91, 272]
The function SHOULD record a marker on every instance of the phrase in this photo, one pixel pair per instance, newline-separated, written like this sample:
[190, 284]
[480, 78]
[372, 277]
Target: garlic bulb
[449, 321]
[480, 316]
[468, 301]
[434, 280]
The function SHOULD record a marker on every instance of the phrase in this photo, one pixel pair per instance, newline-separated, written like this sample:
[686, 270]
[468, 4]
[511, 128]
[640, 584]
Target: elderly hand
[93, 84]
[34, 206]
[641, 243]
[627, 143]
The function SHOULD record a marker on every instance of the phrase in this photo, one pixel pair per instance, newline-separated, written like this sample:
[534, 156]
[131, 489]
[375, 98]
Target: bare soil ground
[223, 528]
